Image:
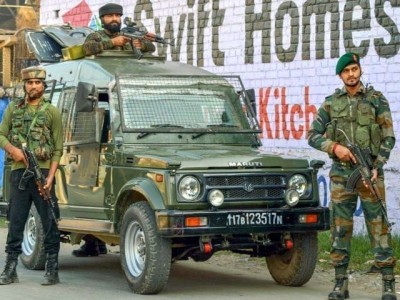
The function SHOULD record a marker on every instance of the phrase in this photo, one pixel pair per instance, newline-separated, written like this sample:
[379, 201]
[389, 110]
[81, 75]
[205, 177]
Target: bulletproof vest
[356, 119]
[32, 128]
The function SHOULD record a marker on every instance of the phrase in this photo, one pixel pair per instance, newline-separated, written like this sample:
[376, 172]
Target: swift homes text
[276, 23]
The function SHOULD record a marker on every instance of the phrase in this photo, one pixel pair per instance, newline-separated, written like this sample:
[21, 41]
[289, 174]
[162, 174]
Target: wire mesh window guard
[78, 126]
[178, 101]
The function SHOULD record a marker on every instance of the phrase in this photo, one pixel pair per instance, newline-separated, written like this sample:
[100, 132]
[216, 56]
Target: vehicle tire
[201, 257]
[33, 256]
[296, 266]
[145, 255]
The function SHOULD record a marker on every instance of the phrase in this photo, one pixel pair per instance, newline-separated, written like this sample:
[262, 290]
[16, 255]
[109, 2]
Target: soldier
[33, 121]
[363, 115]
[107, 39]
[110, 37]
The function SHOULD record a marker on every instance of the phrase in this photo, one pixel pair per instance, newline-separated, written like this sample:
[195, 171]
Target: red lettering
[290, 120]
[263, 97]
[296, 109]
[285, 110]
[309, 108]
[277, 117]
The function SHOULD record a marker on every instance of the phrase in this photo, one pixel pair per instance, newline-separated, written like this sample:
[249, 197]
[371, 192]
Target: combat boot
[102, 247]
[388, 287]
[340, 290]
[9, 274]
[51, 275]
[90, 248]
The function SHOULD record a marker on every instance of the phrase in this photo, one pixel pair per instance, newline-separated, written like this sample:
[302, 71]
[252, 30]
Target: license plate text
[254, 218]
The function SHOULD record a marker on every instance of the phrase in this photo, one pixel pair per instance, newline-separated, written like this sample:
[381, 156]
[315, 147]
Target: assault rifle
[33, 170]
[363, 172]
[135, 32]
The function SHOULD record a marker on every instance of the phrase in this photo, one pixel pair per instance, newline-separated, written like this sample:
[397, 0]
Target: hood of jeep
[211, 158]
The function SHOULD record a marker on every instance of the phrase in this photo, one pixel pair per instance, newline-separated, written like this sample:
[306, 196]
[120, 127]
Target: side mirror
[85, 97]
[251, 95]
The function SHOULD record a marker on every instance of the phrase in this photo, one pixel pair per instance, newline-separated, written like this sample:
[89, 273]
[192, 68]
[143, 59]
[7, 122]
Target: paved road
[102, 278]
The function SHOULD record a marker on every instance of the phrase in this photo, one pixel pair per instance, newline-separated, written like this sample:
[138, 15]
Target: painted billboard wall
[285, 50]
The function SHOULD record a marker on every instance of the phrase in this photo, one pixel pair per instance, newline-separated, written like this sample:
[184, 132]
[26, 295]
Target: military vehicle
[164, 159]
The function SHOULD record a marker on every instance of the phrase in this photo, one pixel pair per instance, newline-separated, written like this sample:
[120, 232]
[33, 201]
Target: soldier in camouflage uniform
[363, 116]
[33, 121]
[110, 37]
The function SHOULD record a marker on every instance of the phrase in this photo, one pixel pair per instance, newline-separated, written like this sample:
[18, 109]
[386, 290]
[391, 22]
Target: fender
[147, 188]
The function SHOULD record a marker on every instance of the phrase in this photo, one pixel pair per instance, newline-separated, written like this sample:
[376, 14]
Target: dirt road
[222, 277]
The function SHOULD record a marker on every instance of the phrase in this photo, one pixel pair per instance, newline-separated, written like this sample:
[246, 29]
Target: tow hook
[287, 241]
[206, 247]
[288, 244]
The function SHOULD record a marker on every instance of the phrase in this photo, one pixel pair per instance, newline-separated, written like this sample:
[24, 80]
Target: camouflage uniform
[100, 40]
[39, 125]
[366, 119]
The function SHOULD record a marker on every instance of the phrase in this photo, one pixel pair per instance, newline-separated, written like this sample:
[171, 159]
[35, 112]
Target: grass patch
[3, 222]
[361, 254]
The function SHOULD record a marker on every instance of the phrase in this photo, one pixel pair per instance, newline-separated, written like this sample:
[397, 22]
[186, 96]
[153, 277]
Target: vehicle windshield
[194, 103]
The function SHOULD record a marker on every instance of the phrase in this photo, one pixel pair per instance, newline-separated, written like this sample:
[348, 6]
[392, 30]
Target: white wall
[289, 87]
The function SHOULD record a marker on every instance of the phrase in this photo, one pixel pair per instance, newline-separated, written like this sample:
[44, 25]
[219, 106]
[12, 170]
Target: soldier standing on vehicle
[110, 38]
[363, 116]
[33, 121]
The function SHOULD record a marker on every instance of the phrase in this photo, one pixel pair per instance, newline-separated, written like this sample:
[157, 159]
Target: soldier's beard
[354, 83]
[34, 94]
[113, 27]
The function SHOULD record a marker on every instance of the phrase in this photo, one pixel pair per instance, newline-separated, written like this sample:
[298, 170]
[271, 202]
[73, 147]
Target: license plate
[254, 218]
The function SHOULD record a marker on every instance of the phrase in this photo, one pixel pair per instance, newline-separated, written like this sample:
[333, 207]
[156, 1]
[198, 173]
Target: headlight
[216, 198]
[292, 197]
[189, 188]
[299, 183]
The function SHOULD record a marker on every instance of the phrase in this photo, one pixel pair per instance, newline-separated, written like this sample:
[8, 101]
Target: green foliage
[361, 254]
[2, 222]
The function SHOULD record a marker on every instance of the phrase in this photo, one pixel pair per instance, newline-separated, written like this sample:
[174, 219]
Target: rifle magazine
[353, 179]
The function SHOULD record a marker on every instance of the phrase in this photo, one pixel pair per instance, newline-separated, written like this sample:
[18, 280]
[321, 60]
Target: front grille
[248, 187]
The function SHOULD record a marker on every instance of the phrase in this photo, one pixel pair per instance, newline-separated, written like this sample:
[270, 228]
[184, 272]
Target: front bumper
[219, 222]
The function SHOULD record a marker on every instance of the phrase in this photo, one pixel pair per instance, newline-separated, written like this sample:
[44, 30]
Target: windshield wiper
[166, 125]
[197, 135]
[222, 125]
[143, 134]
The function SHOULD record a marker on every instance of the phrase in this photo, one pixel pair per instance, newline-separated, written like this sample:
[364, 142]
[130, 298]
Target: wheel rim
[135, 249]
[29, 241]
